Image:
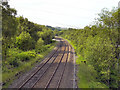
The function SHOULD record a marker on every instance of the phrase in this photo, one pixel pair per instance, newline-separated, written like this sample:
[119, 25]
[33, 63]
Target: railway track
[56, 71]
[46, 81]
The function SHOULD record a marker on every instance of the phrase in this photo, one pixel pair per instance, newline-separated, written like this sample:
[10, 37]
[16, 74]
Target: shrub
[14, 61]
[39, 43]
[25, 56]
[39, 47]
[17, 59]
[25, 42]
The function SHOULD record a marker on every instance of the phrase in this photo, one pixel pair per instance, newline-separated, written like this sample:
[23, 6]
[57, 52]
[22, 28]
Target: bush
[39, 43]
[41, 49]
[25, 42]
[25, 56]
[88, 77]
[40, 46]
[17, 59]
[15, 62]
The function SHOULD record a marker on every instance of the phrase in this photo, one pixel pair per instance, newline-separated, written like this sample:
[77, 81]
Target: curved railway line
[55, 71]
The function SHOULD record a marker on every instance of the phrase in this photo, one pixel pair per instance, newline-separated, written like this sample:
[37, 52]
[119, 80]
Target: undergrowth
[19, 61]
[87, 75]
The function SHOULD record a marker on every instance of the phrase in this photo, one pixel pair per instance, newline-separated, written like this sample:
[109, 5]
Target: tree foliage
[20, 33]
[97, 45]
[25, 42]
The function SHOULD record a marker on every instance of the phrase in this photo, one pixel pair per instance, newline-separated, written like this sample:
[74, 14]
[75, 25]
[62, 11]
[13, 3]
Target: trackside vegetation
[24, 43]
[97, 51]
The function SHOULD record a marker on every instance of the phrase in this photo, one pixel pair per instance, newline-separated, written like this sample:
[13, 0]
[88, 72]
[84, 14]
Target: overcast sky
[62, 13]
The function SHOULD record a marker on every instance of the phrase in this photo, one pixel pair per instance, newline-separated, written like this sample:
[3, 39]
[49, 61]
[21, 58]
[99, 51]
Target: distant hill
[56, 28]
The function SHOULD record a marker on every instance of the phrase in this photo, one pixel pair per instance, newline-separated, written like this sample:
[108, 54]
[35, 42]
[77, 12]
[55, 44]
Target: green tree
[25, 42]
[39, 45]
[9, 27]
[46, 35]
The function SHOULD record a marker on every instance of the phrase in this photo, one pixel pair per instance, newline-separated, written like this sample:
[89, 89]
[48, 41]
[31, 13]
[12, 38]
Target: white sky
[62, 13]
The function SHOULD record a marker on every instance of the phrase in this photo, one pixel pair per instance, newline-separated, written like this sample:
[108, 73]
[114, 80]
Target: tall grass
[87, 76]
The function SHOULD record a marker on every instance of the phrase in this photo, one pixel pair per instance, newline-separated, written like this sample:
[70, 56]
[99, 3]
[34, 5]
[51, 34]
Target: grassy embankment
[86, 73]
[25, 61]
